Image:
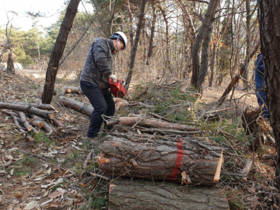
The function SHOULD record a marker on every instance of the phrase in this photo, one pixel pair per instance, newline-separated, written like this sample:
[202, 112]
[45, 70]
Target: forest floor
[49, 173]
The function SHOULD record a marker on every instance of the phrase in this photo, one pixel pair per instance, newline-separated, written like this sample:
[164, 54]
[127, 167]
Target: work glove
[113, 77]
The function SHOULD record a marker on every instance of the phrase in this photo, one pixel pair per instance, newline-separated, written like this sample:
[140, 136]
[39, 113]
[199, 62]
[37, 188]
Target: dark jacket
[98, 65]
[259, 72]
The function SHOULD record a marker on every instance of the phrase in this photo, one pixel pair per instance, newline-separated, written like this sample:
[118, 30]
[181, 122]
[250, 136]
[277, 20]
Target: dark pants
[102, 102]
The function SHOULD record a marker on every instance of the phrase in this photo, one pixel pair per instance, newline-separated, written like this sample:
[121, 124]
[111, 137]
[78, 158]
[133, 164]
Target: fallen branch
[76, 105]
[142, 104]
[153, 130]
[159, 117]
[16, 120]
[219, 110]
[39, 106]
[132, 121]
[100, 176]
[87, 159]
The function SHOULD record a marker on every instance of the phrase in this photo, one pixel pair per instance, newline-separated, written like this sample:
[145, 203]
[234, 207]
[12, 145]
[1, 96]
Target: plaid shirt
[98, 65]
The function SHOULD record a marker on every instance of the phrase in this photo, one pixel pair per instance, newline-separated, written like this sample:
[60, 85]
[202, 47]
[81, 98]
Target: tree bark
[77, 105]
[135, 44]
[58, 51]
[160, 158]
[130, 194]
[270, 47]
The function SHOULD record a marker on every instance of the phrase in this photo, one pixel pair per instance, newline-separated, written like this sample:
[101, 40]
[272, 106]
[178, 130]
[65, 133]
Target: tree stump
[161, 158]
[148, 195]
[256, 125]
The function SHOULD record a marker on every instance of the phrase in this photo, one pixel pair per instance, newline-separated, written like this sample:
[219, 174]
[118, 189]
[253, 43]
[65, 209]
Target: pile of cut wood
[29, 117]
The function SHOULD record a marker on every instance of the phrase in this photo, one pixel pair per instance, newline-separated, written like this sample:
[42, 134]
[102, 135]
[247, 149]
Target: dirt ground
[48, 172]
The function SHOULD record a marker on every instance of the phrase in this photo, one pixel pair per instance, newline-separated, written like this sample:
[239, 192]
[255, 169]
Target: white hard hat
[121, 36]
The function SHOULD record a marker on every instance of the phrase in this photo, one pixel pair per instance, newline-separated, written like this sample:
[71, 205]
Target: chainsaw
[118, 88]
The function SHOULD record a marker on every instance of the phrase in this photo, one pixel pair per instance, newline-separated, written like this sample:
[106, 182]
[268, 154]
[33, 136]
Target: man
[260, 84]
[95, 78]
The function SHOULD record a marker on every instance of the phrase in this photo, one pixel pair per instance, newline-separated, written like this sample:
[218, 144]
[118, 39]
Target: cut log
[132, 121]
[74, 90]
[42, 122]
[151, 195]
[26, 124]
[120, 103]
[77, 105]
[160, 158]
[28, 108]
[37, 123]
[57, 122]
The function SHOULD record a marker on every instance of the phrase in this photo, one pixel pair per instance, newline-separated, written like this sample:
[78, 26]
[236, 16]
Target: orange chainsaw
[118, 88]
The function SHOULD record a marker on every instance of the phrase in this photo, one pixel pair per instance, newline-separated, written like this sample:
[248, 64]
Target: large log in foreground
[160, 158]
[148, 195]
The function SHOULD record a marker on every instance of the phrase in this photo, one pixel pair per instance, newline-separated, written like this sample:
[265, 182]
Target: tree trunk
[270, 47]
[130, 23]
[248, 40]
[58, 51]
[135, 44]
[205, 54]
[151, 40]
[207, 22]
[10, 63]
[212, 64]
[161, 158]
[130, 194]
[167, 47]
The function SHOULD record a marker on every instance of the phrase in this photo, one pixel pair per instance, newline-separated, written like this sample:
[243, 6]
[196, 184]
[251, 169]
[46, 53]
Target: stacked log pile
[29, 117]
[158, 150]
